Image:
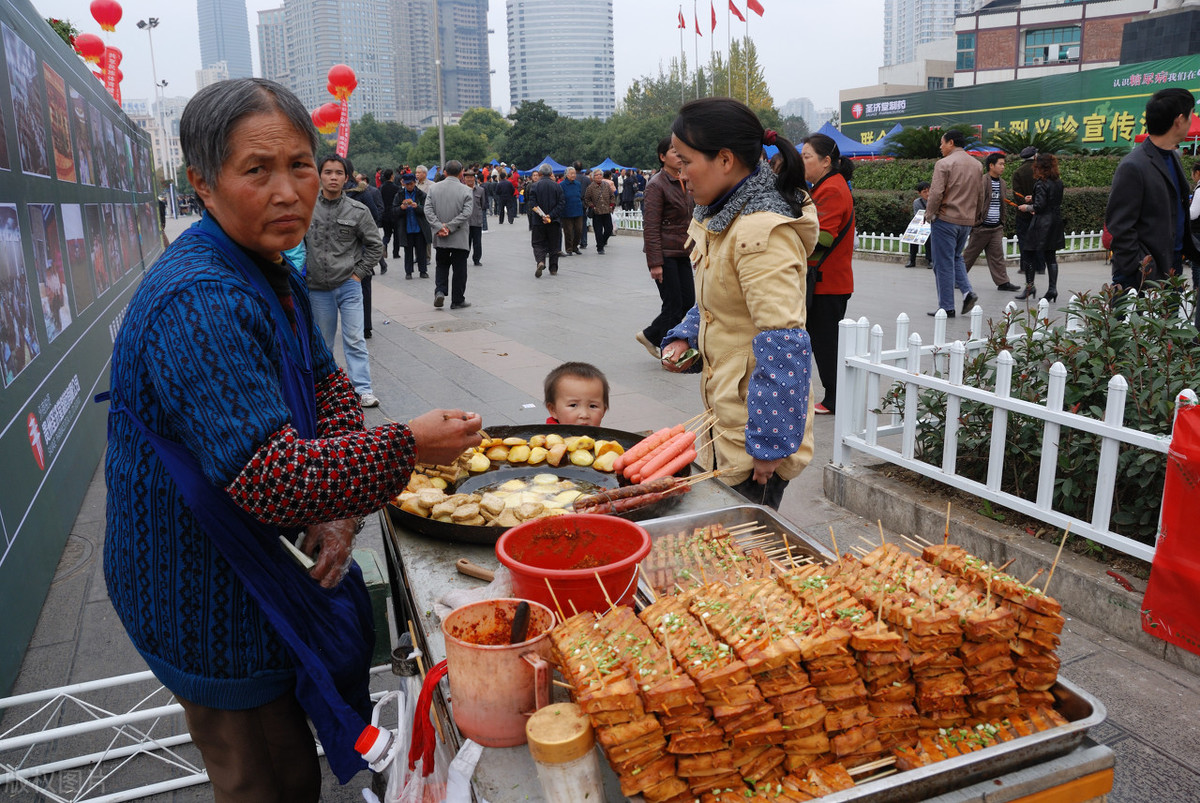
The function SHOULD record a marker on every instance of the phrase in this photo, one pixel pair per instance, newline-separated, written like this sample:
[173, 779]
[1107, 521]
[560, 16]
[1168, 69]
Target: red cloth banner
[110, 62]
[343, 146]
[682, 21]
[755, 6]
[698, 31]
[1170, 609]
[735, 11]
[712, 7]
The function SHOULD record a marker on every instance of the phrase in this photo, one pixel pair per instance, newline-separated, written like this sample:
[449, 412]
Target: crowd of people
[229, 415]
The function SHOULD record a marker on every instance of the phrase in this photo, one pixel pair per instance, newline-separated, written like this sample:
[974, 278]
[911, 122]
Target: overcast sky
[808, 48]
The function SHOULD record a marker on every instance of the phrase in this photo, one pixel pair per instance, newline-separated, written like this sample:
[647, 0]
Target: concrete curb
[1080, 584]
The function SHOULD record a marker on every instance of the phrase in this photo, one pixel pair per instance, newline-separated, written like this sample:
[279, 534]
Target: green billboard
[78, 226]
[1103, 108]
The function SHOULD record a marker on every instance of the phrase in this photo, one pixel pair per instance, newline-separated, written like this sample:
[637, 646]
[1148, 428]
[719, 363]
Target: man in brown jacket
[666, 213]
[953, 207]
[988, 235]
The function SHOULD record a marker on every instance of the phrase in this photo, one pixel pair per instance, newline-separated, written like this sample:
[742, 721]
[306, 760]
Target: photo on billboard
[60, 126]
[95, 238]
[28, 104]
[112, 242]
[18, 336]
[48, 265]
[83, 146]
[127, 141]
[129, 243]
[5, 163]
[77, 257]
[110, 155]
[99, 156]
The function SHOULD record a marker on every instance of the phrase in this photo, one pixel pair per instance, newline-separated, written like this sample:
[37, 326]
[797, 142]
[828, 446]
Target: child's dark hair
[825, 146]
[710, 124]
[922, 186]
[582, 370]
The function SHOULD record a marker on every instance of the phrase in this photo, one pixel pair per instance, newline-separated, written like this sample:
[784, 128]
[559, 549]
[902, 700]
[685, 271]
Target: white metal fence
[627, 221]
[866, 371]
[1079, 242]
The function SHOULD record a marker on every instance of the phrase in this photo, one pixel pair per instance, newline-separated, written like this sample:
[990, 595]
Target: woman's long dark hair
[710, 124]
[824, 146]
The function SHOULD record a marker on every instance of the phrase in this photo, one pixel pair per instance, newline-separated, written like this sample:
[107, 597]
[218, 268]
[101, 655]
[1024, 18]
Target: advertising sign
[1103, 108]
[78, 225]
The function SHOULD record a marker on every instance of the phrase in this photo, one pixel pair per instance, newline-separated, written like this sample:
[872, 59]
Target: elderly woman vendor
[230, 427]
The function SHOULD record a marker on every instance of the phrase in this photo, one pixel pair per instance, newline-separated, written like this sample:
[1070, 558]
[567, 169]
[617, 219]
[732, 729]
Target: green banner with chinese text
[1104, 107]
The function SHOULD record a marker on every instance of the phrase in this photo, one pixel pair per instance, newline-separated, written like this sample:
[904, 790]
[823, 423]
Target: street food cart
[1060, 764]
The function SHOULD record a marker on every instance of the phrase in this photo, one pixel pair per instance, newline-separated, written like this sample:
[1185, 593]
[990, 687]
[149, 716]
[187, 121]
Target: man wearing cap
[987, 237]
[1022, 188]
[448, 210]
[478, 220]
[544, 201]
[412, 229]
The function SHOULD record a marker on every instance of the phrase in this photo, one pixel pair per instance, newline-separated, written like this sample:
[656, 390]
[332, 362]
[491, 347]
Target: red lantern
[341, 81]
[327, 117]
[107, 13]
[120, 75]
[90, 47]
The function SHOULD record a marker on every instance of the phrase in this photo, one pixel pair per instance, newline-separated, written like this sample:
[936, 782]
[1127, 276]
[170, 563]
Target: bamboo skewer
[874, 765]
[911, 544]
[1057, 555]
[549, 588]
[1036, 575]
[607, 598]
[882, 540]
[921, 540]
[696, 417]
[562, 685]
[946, 537]
[835, 546]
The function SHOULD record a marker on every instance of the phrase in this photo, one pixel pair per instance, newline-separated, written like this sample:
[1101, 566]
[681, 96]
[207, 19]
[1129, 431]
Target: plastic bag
[1169, 609]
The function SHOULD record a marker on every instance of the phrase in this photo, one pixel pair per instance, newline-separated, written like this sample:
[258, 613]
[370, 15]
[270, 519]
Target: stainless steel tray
[1078, 707]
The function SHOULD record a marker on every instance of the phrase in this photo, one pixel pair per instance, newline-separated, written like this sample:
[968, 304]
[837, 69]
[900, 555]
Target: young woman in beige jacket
[753, 232]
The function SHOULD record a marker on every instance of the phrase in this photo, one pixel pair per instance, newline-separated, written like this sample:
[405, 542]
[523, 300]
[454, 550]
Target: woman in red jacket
[829, 173]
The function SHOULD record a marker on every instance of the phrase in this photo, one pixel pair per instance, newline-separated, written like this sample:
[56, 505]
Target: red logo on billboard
[35, 441]
[856, 111]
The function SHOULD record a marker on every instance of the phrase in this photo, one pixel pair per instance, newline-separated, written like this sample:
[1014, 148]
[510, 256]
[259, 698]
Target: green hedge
[903, 174]
[888, 211]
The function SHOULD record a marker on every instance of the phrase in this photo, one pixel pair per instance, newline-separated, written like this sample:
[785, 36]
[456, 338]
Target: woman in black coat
[1046, 231]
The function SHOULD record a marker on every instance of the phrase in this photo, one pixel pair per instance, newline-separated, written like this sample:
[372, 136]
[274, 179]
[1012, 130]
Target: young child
[919, 203]
[576, 393]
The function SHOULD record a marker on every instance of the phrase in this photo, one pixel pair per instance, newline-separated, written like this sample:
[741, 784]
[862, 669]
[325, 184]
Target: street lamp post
[148, 25]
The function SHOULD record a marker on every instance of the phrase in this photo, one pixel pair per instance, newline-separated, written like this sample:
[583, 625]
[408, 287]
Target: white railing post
[872, 395]
[1055, 391]
[1074, 321]
[995, 472]
[958, 353]
[902, 331]
[975, 327]
[847, 339]
[911, 398]
[863, 334]
[1106, 474]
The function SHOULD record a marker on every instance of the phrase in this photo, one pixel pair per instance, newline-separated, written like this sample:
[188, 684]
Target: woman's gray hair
[545, 170]
[213, 113]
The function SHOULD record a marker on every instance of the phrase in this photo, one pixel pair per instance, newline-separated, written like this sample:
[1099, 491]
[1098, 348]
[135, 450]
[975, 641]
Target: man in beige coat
[953, 206]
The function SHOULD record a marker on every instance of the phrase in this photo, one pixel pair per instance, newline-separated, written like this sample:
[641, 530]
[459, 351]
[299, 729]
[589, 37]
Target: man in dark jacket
[506, 200]
[1022, 187]
[667, 212]
[987, 237]
[388, 191]
[545, 202]
[1147, 212]
[584, 181]
[411, 225]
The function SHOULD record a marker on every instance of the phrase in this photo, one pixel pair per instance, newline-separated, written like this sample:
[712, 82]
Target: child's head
[923, 190]
[577, 393]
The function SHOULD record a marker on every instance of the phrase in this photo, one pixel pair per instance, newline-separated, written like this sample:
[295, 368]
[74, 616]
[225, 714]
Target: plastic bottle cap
[559, 733]
[372, 743]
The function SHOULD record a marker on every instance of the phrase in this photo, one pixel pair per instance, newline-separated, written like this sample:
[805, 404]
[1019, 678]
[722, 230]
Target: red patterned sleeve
[291, 481]
[338, 408]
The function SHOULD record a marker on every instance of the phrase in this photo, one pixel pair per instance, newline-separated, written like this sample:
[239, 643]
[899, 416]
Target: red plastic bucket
[570, 551]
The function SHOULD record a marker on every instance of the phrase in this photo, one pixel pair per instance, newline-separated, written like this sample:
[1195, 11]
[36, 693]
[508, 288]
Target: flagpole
[712, 36]
[682, 75]
[728, 51]
[696, 47]
[746, 55]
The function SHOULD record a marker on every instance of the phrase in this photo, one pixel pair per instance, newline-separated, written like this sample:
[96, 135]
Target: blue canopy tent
[847, 146]
[495, 162]
[609, 164]
[883, 141]
[558, 169]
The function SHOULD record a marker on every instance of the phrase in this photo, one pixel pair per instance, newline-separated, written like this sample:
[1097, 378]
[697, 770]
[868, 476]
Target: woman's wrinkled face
[266, 189]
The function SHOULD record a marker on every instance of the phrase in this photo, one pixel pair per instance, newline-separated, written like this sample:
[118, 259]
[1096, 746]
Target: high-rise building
[359, 33]
[225, 36]
[908, 24]
[561, 52]
[218, 71]
[272, 45]
[466, 74]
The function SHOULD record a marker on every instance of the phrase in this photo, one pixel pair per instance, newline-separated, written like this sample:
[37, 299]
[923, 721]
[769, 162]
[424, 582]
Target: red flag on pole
[682, 21]
[713, 8]
[735, 11]
[755, 6]
[698, 31]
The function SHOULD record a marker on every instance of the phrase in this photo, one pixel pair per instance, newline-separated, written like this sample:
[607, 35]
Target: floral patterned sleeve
[688, 329]
[777, 400]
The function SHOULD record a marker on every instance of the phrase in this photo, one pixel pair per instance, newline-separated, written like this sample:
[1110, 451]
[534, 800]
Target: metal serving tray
[1078, 707]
